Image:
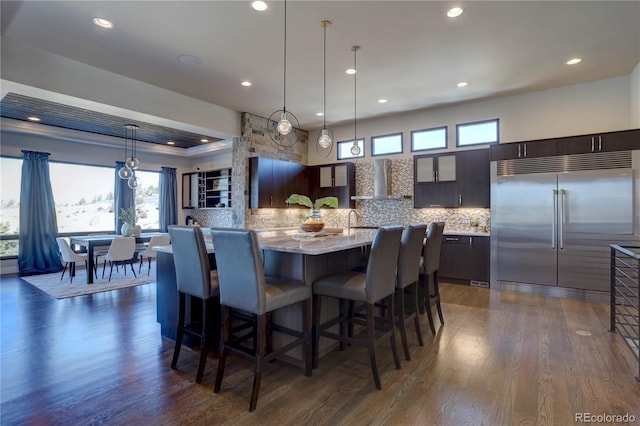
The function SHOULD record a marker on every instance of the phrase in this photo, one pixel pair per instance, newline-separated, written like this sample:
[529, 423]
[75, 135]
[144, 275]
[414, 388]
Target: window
[479, 132]
[387, 144]
[344, 149]
[435, 138]
[83, 196]
[10, 180]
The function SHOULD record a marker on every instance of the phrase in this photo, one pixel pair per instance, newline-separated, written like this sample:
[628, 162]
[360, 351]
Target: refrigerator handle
[553, 219]
[561, 220]
[519, 150]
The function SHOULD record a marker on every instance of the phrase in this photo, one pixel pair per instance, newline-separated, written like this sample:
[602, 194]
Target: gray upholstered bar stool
[194, 277]
[376, 284]
[429, 265]
[244, 287]
[411, 248]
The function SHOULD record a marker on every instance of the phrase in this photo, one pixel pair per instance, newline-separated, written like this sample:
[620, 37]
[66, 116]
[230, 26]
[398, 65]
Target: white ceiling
[411, 53]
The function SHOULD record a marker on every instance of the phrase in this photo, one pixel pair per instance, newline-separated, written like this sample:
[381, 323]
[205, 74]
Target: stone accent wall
[209, 218]
[256, 142]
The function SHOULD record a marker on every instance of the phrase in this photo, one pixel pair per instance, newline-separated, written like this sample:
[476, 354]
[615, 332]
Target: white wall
[599, 106]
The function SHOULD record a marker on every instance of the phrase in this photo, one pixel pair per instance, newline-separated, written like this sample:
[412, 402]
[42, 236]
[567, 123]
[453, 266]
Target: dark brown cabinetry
[473, 170]
[465, 258]
[528, 149]
[272, 181]
[603, 142]
[334, 180]
[206, 189]
[453, 180]
[435, 181]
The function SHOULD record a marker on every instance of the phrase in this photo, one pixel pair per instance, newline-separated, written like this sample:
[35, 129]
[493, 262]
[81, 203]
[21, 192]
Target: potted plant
[314, 221]
[474, 225]
[129, 227]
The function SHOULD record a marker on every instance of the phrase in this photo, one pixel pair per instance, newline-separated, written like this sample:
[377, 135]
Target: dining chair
[99, 251]
[150, 253]
[375, 285]
[194, 278]
[411, 247]
[429, 265]
[244, 287]
[121, 251]
[70, 257]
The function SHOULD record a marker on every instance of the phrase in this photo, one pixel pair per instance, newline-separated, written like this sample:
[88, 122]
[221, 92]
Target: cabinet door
[326, 176]
[446, 171]
[619, 141]
[190, 191]
[261, 178]
[473, 170]
[424, 169]
[479, 249]
[576, 145]
[454, 257]
[528, 149]
[340, 176]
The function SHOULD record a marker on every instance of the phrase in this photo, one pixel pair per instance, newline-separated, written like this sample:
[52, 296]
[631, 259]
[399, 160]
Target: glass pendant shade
[324, 140]
[355, 149]
[284, 125]
[133, 182]
[132, 163]
[125, 173]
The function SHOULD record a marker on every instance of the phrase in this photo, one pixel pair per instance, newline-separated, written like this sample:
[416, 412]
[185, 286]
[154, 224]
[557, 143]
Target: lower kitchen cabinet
[465, 258]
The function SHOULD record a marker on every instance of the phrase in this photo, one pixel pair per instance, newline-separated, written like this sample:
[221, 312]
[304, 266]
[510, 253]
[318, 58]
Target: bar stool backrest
[433, 247]
[240, 269]
[411, 248]
[383, 263]
[191, 261]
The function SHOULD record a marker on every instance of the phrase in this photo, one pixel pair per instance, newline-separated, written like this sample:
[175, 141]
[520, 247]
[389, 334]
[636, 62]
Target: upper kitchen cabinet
[435, 181]
[190, 190]
[601, 142]
[334, 180]
[473, 176]
[272, 181]
[528, 149]
[206, 189]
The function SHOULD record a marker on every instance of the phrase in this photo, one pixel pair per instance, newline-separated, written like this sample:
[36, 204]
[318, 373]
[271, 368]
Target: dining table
[90, 242]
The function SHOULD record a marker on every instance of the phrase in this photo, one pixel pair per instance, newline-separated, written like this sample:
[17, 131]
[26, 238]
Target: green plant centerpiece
[474, 223]
[313, 222]
[129, 217]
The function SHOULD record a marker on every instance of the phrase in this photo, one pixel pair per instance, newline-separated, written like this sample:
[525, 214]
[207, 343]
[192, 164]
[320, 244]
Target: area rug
[52, 285]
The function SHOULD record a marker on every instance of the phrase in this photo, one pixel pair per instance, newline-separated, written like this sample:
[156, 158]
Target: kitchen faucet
[358, 215]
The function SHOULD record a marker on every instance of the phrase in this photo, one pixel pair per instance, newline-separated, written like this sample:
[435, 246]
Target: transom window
[344, 149]
[476, 133]
[386, 144]
[434, 138]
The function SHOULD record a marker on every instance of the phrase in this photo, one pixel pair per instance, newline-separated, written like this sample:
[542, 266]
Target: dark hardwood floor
[501, 359]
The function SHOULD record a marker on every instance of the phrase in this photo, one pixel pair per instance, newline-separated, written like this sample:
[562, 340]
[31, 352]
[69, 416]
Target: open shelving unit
[215, 189]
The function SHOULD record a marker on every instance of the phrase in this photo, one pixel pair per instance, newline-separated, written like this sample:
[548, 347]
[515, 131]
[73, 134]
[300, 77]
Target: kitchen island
[286, 253]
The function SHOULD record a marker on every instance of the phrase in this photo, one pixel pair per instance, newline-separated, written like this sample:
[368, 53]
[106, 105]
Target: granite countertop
[468, 233]
[306, 243]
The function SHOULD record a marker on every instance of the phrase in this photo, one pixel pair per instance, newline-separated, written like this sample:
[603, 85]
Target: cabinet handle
[460, 200]
[593, 144]
[271, 200]
[452, 239]
[470, 243]
[525, 150]
[599, 143]
[519, 150]
[436, 172]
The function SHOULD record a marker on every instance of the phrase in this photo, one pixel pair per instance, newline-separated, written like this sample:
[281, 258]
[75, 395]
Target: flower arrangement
[129, 216]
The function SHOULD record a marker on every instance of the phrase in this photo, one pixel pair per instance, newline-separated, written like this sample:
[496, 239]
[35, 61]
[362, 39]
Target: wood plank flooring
[501, 359]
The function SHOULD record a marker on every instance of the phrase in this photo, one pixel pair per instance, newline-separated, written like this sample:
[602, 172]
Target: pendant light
[355, 149]
[325, 138]
[131, 164]
[125, 172]
[282, 131]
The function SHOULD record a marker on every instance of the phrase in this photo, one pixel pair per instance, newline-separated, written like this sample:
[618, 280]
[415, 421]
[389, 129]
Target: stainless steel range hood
[381, 183]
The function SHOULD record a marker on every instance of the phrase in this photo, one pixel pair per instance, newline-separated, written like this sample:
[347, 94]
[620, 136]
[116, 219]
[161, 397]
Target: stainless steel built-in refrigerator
[554, 228]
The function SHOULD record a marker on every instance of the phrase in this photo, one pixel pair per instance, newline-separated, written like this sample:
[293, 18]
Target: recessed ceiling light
[246, 83]
[259, 5]
[33, 118]
[320, 114]
[103, 23]
[574, 61]
[203, 140]
[382, 101]
[351, 71]
[454, 12]
[189, 59]
[462, 84]
[171, 143]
